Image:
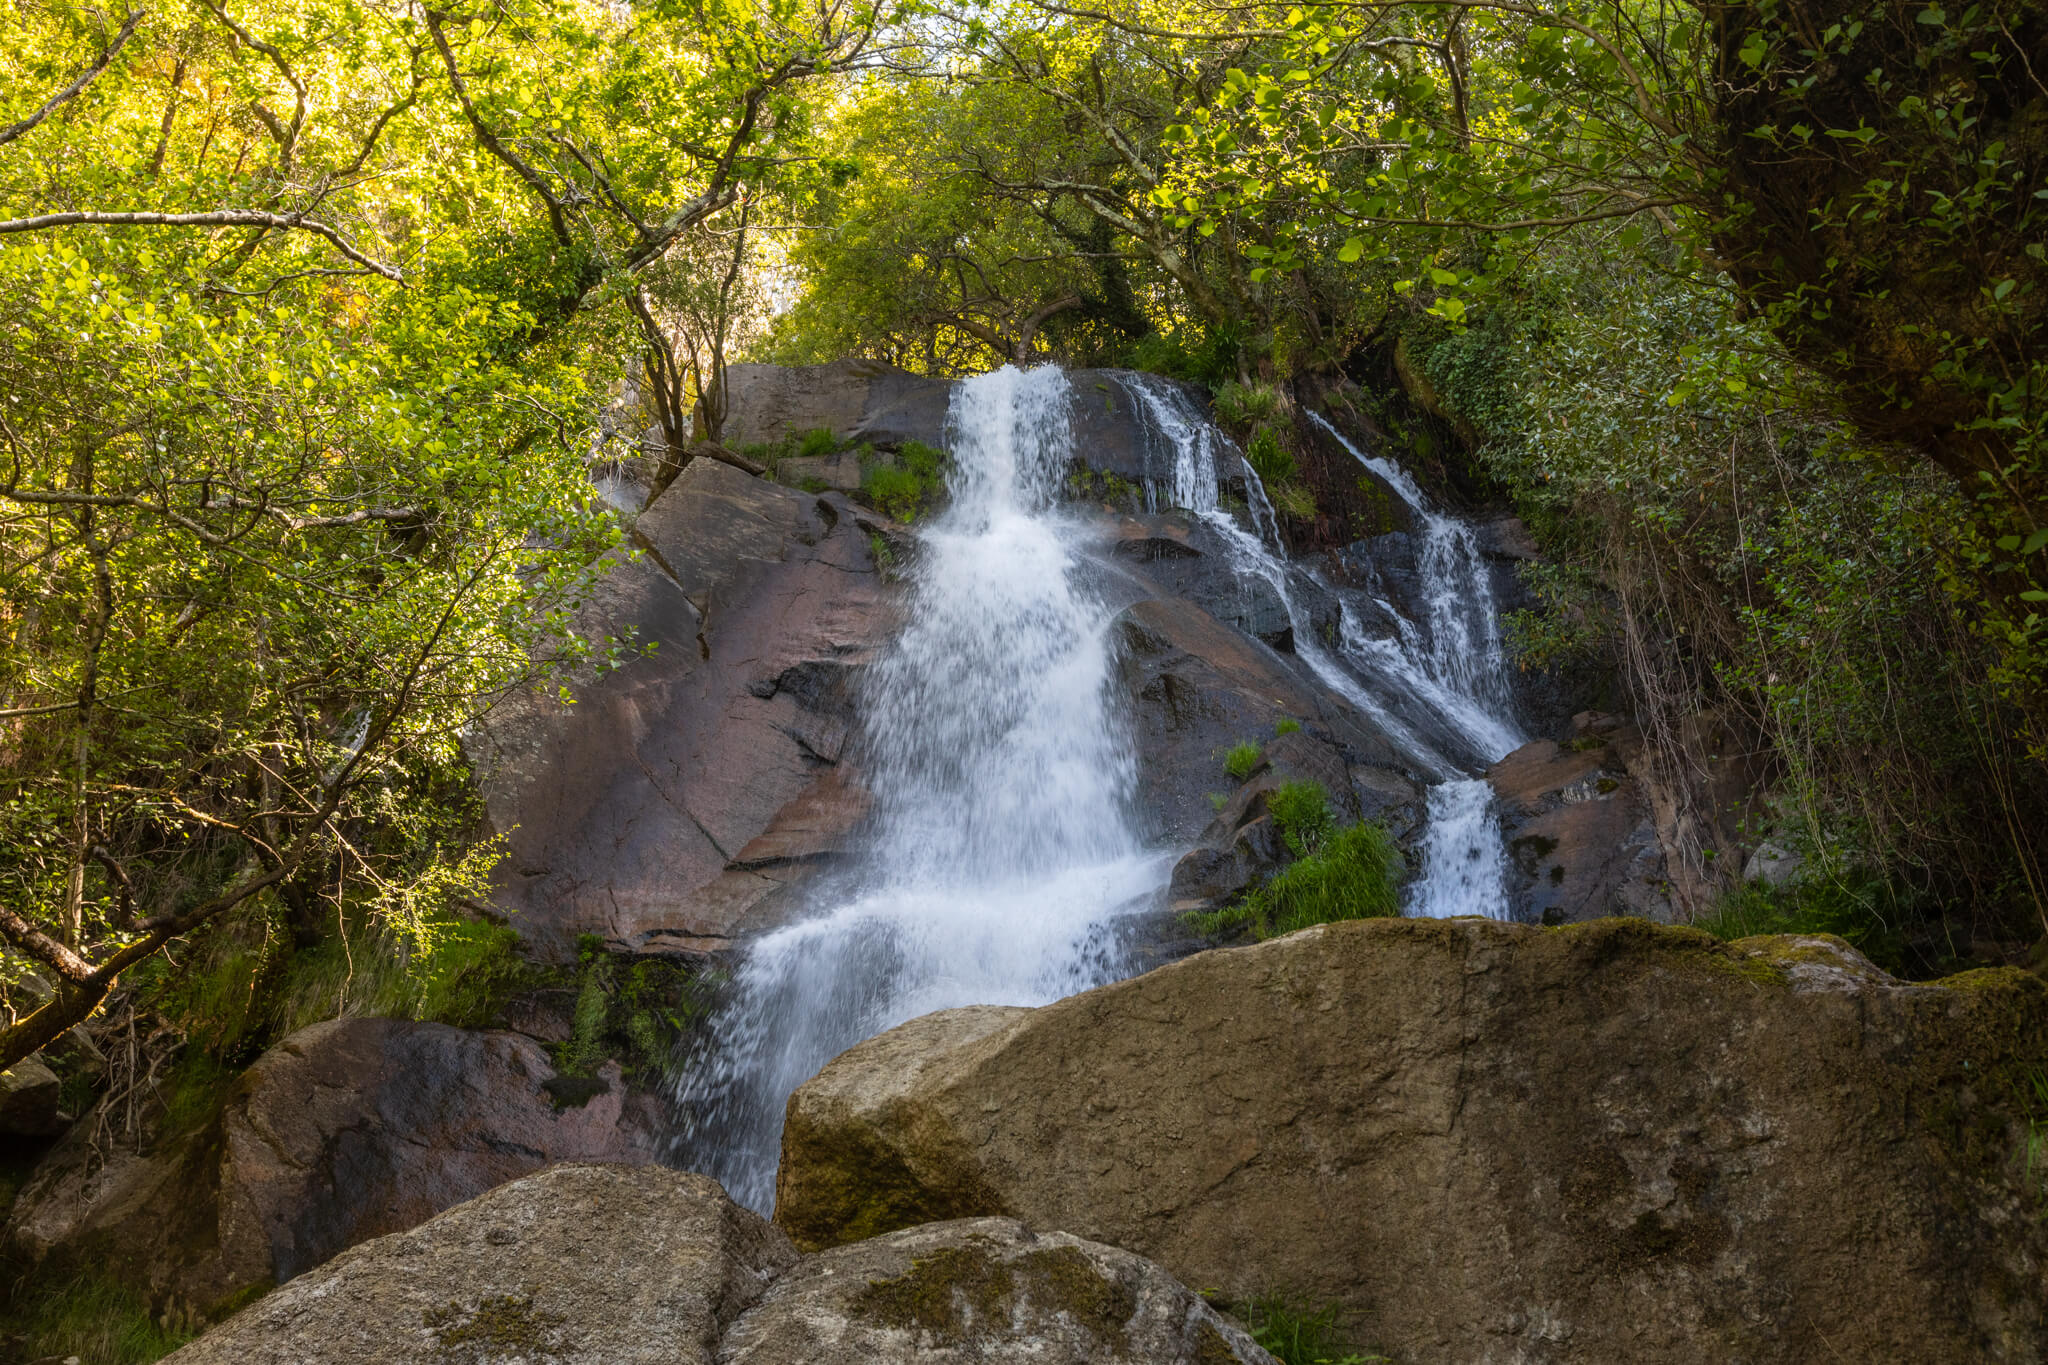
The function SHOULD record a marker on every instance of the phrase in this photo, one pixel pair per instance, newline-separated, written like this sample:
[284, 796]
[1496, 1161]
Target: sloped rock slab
[344, 1131]
[1581, 839]
[579, 1265]
[985, 1289]
[629, 814]
[1610, 1142]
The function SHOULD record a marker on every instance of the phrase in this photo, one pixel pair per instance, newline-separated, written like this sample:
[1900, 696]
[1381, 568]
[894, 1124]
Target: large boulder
[1610, 1142]
[638, 813]
[344, 1131]
[604, 1265]
[29, 1093]
[984, 1289]
[579, 1265]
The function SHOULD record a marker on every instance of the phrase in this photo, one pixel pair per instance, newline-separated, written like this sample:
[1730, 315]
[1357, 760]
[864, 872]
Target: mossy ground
[946, 1296]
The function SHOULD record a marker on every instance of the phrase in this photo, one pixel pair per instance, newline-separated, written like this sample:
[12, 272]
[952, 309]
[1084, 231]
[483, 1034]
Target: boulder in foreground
[609, 1265]
[1609, 1142]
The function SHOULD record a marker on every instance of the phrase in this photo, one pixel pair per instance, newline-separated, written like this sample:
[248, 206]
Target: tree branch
[84, 78]
[217, 218]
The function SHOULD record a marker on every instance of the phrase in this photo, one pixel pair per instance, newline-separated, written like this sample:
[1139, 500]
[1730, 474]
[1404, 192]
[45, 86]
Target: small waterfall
[1003, 849]
[1447, 669]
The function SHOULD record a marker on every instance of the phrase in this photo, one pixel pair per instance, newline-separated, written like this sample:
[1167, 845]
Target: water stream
[1003, 849]
[1002, 859]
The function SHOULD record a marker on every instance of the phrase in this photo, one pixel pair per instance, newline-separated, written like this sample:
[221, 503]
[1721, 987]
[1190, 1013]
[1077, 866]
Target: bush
[905, 488]
[1242, 760]
[816, 443]
[1273, 462]
[1239, 406]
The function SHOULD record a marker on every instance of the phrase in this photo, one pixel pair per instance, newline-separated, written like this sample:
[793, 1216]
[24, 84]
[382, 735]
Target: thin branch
[217, 218]
[84, 78]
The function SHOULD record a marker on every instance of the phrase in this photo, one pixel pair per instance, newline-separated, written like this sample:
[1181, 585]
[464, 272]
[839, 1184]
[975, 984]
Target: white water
[1003, 850]
[1447, 669]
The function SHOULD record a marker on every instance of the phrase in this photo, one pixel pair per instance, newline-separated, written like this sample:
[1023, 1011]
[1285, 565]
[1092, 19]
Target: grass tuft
[1352, 872]
[1286, 725]
[93, 1319]
[1242, 760]
[1296, 1334]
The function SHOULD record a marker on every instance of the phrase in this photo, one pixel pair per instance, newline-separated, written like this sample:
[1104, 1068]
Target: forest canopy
[318, 315]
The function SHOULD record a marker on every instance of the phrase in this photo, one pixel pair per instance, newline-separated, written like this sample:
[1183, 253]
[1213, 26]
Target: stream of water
[1002, 858]
[1003, 848]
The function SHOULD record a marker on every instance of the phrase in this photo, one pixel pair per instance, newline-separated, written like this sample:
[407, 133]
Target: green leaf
[2034, 542]
[1352, 249]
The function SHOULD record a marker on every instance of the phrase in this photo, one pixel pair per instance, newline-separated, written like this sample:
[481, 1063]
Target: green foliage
[1296, 1334]
[1338, 873]
[1867, 914]
[907, 486]
[1301, 813]
[90, 1317]
[817, 442]
[1241, 759]
[1286, 725]
[1272, 460]
[635, 1010]
[1241, 407]
[1573, 624]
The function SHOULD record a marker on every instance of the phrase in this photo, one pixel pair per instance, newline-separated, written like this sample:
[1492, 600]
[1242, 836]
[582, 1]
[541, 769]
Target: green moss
[945, 1296]
[1242, 760]
[502, 1325]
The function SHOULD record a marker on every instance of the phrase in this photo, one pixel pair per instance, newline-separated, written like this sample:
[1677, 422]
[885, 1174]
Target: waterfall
[1003, 849]
[1443, 675]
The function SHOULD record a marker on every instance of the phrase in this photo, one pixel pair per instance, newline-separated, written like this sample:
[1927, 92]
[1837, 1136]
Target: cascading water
[1003, 849]
[1447, 669]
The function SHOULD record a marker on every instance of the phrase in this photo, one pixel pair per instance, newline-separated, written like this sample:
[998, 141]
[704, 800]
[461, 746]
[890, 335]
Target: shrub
[1242, 760]
[815, 443]
[1272, 461]
[895, 491]
[927, 462]
[1239, 406]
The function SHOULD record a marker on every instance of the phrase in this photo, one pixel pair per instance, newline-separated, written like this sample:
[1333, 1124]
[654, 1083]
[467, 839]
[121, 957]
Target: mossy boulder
[983, 1289]
[1604, 1142]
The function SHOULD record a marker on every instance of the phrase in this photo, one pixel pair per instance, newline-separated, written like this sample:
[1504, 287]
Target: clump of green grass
[816, 443]
[1296, 1334]
[96, 1320]
[1273, 462]
[1240, 405]
[905, 488]
[1286, 725]
[1338, 873]
[1861, 911]
[1242, 759]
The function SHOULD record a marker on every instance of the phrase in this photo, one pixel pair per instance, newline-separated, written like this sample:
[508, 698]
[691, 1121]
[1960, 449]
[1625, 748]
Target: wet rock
[1198, 687]
[1581, 840]
[342, 1132]
[1612, 1142]
[628, 814]
[578, 1265]
[985, 1289]
[28, 1100]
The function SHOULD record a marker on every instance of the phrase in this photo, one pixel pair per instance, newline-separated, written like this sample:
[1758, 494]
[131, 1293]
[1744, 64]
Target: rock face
[984, 1289]
[1198, 687]
[639, 813]
[579, 1265]
[604, 1265]
[28, 1100]
[1610, 1142]
[856, 400]
[1581, 839]
[344, 1131]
